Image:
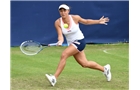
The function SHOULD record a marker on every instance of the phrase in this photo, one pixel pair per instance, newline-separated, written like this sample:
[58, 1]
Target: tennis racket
[31, 47]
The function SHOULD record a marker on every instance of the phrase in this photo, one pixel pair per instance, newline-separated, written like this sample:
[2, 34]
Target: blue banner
[34, 20]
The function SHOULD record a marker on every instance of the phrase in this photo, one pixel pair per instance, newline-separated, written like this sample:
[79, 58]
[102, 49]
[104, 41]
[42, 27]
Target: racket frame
[42, 46]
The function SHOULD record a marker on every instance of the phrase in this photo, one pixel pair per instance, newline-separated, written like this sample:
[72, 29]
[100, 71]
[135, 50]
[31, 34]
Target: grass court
[28, 72]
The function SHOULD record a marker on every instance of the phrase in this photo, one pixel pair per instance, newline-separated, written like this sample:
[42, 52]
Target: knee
[85, 65]
[64, 55]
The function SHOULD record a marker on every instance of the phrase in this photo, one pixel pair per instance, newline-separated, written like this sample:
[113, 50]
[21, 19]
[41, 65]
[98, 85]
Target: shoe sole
[109, 71]
[47, 76]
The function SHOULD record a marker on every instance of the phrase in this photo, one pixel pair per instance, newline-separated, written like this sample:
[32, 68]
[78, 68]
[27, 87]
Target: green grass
[28, 72]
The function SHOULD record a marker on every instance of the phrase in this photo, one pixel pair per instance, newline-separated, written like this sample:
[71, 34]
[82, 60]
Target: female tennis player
[76, 42]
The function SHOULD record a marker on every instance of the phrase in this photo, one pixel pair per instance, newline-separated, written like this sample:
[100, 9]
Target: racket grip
[52, 44]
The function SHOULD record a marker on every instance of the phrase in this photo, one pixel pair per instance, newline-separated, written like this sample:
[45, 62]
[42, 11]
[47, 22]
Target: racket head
[30, 47]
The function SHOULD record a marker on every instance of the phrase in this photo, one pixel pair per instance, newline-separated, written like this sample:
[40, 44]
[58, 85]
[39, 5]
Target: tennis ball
[65, 25]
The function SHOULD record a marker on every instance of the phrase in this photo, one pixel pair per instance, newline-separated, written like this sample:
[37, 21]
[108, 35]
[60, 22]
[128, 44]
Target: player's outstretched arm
[102, 20]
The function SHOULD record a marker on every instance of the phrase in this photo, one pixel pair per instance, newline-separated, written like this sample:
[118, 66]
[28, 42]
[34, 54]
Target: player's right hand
[59, 43]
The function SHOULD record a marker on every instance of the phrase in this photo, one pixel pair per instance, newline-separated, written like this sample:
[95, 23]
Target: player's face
[64, 13]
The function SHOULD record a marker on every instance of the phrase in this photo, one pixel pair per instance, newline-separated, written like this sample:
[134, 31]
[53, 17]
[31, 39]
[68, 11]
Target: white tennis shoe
[51, 79]
[107, 72]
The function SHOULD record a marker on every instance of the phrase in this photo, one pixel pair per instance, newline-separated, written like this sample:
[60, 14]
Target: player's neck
[66, 20]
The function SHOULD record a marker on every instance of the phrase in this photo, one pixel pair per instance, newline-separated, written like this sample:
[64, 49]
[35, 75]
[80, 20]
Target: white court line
[105, 51]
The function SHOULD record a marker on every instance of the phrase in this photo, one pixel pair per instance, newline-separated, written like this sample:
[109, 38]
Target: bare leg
[81, 59]
[69, 51]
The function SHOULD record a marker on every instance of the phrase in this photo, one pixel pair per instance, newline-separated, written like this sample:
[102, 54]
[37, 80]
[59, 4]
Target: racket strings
[31, 48]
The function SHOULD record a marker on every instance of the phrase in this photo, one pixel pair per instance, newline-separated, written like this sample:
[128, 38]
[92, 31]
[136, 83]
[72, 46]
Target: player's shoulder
[57, 21]
[75, 16]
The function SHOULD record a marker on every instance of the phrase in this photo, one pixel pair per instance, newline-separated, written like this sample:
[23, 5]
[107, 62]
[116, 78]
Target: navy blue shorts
[79, 44]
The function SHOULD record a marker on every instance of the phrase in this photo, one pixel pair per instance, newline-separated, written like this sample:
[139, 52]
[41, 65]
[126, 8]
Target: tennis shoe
[51, 79]
[107, 72]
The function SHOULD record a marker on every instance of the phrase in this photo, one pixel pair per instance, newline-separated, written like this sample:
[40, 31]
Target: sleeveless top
[73, 31]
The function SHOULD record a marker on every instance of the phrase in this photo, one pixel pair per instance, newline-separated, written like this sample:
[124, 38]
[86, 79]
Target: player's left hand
[103, 20]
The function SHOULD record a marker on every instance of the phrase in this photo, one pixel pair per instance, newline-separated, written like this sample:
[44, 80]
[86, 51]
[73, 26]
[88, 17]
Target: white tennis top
[73, 32]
